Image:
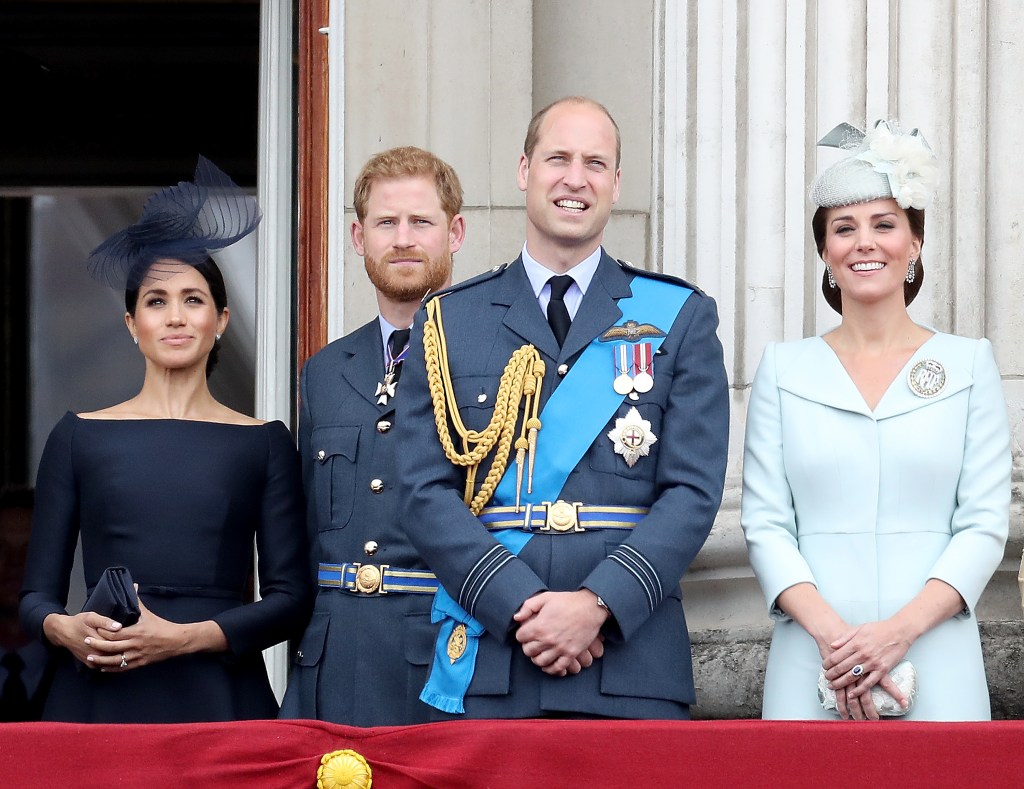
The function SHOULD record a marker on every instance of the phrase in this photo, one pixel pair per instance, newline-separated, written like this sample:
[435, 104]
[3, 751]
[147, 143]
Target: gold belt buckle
[369, 578]
[562, 517]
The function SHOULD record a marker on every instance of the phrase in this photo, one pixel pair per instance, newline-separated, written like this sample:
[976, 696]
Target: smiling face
[176, 319]
[869, 247]
[571, 182]
[406, 239]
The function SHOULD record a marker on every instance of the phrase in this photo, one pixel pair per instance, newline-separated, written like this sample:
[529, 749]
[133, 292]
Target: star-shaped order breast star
[632, 437]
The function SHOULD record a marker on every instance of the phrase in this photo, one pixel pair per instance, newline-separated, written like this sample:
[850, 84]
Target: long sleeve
[980, 522]
[767, 514]
[476, 570]
[55, 527]
[285, 593]
[690, 474]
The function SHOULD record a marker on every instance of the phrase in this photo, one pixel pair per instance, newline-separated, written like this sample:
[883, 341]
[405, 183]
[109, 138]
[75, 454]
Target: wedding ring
[124, 661]
[857, 670]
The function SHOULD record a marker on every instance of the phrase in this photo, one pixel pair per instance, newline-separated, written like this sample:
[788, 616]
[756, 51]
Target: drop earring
[911, 270]
[135, 339]
[831, 278]
[218, 336]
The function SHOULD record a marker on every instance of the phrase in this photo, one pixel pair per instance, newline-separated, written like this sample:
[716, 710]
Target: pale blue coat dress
[869, 505]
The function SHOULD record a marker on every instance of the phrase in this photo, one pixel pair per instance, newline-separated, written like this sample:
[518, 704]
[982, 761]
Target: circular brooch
[927, 378]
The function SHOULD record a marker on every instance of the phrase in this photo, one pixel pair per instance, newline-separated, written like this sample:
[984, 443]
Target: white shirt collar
[385, 335]
[582, 273]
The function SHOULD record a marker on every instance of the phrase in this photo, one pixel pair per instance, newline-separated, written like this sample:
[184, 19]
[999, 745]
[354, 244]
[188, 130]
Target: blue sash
[572, 418]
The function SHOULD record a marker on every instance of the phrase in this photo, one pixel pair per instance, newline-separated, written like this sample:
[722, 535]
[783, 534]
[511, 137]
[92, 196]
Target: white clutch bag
[903, 674]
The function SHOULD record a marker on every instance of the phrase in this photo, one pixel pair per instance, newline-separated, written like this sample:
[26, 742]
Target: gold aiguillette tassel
[533, 425]
[520, 452]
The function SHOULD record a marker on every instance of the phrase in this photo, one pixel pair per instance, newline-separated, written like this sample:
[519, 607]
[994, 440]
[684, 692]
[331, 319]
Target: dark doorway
[127, 93]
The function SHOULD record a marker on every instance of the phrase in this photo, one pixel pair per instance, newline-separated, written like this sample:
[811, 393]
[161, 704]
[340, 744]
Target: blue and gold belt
[562, 517]
[378, 579]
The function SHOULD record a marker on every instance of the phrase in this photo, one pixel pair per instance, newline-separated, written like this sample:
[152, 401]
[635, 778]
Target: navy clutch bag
[115, 596]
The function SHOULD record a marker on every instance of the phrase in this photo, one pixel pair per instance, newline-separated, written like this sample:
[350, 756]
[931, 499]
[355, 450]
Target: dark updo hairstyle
[218, 290]
[834, 297]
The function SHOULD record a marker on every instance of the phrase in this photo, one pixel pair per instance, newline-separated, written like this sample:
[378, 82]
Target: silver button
[370, 548]
[383, 426]
[562, 369]
[482, 397]
[376, 485]
[321, 455]
[299, 654]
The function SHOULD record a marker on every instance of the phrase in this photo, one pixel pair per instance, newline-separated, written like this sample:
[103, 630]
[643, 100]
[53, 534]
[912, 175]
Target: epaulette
[468, 283]
[642, 272]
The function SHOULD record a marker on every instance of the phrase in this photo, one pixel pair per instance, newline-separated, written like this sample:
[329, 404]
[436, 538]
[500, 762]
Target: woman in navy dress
[174, 486]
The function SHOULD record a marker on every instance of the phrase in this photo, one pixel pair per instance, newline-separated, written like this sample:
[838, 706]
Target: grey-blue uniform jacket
[364, 657]
[646, 669]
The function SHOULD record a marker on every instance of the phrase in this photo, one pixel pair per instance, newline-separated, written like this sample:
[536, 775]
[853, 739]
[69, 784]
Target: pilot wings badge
[632, 437]
[631, 331]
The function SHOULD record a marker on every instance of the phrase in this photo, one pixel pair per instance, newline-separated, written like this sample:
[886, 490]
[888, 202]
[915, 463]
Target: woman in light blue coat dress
[876, 477]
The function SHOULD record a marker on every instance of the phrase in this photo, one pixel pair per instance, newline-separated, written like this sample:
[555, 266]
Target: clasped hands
[101, 643]
[874, 646]
[560, 631]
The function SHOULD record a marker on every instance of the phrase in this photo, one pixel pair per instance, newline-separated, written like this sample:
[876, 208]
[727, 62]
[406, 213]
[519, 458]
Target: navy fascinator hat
[179, 224]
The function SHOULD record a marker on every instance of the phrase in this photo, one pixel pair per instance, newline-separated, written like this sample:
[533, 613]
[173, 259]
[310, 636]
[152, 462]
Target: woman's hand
[78, 633]
[875, 647]
[849, 703]
[151, 640]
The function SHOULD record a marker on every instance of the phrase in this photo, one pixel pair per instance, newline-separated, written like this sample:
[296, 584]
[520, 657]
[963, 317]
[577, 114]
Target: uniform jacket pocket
[311, 648]
[654, 663]
[420, 636]
[334, 473]
[475, 395]
[603, 457]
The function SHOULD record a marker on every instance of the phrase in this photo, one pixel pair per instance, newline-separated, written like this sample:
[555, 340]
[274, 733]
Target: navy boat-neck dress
[179, 504]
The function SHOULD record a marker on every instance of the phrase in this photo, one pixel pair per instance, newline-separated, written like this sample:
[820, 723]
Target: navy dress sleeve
[282, 549]
[55, 526]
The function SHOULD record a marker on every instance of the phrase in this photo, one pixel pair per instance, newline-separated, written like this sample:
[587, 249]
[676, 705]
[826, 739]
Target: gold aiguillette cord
[521, 380]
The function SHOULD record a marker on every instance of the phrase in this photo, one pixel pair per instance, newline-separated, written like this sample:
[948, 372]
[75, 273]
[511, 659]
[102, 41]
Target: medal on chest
[632, 437]
[387, 387]
[634, 369]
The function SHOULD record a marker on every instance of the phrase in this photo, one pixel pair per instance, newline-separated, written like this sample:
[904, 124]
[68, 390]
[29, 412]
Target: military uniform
[646, 668]
[364, 656]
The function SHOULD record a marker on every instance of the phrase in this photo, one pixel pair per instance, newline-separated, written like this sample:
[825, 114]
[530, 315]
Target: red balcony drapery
[534, 753]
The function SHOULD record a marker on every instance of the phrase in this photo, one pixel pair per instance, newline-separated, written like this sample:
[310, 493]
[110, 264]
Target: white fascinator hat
[881, 163]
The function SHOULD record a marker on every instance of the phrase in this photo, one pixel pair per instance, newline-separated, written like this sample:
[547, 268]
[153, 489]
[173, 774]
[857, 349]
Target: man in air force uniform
[365, 653]
[585, 402]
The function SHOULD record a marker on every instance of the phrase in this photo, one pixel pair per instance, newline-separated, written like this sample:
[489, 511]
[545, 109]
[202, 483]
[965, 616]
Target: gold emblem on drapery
[343, 770]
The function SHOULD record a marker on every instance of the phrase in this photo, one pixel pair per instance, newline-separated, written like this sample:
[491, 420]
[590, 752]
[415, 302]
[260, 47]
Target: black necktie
[14, 698]
[558, 315]
[397, 343]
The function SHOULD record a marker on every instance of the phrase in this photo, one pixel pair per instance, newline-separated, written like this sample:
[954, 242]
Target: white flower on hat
[906, 160]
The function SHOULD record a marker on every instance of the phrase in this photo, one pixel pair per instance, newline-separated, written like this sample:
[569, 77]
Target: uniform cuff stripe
[640, 569]
[481, 573]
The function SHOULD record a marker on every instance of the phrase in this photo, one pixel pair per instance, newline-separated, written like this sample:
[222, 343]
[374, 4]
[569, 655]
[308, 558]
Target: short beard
[410, 287]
